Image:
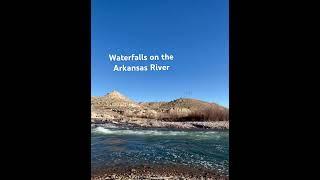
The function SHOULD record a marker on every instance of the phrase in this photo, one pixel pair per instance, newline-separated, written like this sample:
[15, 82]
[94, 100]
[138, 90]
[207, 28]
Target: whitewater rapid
[112, 145]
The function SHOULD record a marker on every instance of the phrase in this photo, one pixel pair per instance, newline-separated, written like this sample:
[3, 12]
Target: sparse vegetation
[207, 114]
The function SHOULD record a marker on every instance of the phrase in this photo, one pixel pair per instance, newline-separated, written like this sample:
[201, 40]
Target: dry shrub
[172, 116]
[207, 114]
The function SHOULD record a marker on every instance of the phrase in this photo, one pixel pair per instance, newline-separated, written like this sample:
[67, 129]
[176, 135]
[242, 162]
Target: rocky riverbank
[181, 113]
[157, 172]
[151, 123]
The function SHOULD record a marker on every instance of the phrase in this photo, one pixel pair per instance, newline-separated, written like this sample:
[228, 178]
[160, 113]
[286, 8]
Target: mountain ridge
[115, 106]
[114, 95]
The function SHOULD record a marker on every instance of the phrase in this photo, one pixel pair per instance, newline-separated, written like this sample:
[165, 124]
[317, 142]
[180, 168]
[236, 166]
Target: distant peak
[115, 92]
[116, 95]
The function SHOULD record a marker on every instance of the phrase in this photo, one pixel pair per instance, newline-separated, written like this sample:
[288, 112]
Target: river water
[116, 146]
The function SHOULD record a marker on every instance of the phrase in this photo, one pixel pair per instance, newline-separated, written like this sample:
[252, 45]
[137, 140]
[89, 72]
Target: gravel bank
[220, 125]
[157, 172]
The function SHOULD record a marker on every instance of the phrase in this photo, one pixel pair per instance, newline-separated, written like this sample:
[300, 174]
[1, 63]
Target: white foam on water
[112, 131]
[103, 130]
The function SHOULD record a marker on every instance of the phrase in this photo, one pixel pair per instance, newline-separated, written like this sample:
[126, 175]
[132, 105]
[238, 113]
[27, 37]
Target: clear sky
[195, 32]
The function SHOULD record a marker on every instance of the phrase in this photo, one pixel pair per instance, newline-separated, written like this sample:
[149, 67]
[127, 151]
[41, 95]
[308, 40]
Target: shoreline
[157, 172]
[151, 123]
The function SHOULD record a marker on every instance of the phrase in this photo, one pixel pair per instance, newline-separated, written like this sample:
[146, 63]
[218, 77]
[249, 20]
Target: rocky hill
[116, 107]
[113, 100]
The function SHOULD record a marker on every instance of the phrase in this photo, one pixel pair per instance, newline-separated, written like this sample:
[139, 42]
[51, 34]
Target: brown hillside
[114, 105]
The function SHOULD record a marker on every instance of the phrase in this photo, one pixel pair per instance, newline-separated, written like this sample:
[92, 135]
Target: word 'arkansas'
[151, 67]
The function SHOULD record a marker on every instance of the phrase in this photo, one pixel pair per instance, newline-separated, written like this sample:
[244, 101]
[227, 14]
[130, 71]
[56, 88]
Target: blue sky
[195, 32]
